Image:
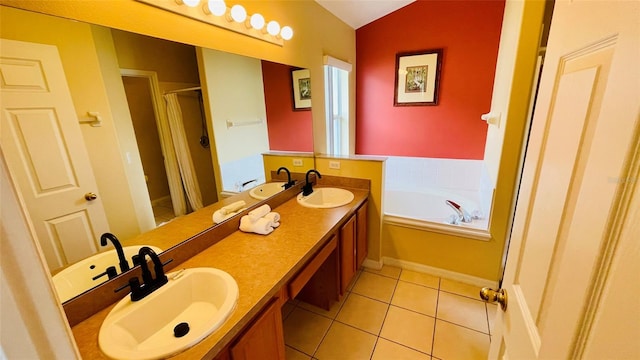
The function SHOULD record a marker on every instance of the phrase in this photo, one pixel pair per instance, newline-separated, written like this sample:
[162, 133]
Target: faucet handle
[133, 283]
[111, 272]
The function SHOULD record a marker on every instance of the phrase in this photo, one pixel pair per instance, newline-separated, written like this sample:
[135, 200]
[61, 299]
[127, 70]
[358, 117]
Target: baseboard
[443, 273]
[372, 264]
[159, 200]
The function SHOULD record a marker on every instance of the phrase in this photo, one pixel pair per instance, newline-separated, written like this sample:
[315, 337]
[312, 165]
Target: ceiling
[357, 13]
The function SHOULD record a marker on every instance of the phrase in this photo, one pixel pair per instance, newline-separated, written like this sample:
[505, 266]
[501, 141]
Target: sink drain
[181, 330]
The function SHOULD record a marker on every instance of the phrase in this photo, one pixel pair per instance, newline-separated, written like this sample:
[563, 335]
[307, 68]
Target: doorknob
[90, 196]
[491, 296]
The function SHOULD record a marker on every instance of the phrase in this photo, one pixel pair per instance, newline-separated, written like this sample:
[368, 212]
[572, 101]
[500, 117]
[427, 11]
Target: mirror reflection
[110, 133]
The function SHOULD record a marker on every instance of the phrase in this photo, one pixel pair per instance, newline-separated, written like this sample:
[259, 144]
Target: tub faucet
[463, 215]
[307, 189]
[290, 182]
[124, 265]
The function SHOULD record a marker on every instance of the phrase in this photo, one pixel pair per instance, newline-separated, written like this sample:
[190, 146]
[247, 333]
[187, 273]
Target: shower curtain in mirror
[183, 156]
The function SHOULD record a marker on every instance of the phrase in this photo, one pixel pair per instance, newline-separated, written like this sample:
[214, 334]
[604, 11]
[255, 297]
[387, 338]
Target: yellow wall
[365, 168]
[84, 73]
[174, 62]
[272, 162]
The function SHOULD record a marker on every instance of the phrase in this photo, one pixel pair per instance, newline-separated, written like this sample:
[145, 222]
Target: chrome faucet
[124, 265]
[463, 215]
[307, 189]
[149, 283]
[290, 182]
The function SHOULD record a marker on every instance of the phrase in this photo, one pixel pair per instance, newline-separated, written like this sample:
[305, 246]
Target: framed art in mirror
[417, 78]
[301, 81]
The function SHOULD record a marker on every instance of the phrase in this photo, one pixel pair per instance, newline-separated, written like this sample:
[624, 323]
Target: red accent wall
[469, 33]
[288, 130]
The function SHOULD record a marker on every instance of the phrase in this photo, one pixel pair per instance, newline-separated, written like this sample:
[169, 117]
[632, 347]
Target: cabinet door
[361, 235]
[347, 253]
[264, 340]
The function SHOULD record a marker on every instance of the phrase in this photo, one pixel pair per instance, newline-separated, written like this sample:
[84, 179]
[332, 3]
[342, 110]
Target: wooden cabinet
[362, 243]
[264, 340]
[353, 246]
[347, 253]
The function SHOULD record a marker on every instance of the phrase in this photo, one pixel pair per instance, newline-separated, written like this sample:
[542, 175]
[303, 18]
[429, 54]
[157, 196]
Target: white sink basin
[326, 198]
[267, 190]
[77, 278]
[201, 297]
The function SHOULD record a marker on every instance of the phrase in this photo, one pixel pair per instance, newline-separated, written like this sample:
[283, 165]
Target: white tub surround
[417, 188]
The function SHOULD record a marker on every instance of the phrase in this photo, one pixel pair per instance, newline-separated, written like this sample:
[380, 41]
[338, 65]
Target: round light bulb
[217, 7]
[191, 3]
[257, 21]
[273, 28]
[286, 32]
[238, 13]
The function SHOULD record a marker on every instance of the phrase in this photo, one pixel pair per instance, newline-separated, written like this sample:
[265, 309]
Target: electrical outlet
[334, 165]
[297, 162]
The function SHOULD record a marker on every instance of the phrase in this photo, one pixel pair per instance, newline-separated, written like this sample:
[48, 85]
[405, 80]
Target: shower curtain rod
[181, 90]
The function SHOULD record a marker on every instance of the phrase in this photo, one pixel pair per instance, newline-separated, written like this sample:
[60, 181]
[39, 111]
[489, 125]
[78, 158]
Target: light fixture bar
[197, 13]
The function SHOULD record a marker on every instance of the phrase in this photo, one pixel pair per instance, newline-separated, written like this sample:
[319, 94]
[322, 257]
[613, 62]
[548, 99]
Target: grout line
[465, 327]
[464, 296]
[413, 311]
[407, 346]
[486, 312]
[385, 315]
[346, 297]
[435, 322]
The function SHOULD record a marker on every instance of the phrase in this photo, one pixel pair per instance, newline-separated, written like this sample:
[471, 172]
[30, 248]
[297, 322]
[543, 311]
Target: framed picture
[417, 78]
[301, 89]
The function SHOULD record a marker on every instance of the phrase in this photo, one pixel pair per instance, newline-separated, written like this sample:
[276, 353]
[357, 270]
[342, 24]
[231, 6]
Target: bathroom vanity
[313, 255]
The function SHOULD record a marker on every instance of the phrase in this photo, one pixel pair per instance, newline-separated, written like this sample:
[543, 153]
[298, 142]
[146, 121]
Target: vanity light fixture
[189, 3]
[257, 21]
[273, 28]
[286, 32]
[238, 13]
[216, 12]
[215, 7]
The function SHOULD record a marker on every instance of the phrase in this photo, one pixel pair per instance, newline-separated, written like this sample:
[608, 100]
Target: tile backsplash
[465, 176]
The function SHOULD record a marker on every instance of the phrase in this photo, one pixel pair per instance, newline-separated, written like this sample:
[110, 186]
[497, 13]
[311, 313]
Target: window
[336, 79]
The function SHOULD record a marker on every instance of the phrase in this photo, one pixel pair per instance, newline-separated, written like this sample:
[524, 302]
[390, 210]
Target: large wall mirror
[233, 109]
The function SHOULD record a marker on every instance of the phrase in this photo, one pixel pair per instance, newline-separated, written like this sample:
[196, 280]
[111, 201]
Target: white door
[575, 209]
[42, 143]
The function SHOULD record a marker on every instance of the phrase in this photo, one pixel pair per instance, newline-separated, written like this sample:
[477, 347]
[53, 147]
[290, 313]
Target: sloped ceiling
[357, 13]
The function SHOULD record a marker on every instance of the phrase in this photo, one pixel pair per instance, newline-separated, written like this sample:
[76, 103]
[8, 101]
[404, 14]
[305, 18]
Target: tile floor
[392, 314]
[163, 211]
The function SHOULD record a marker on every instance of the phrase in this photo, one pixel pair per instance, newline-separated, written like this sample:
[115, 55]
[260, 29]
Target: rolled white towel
[274, 217]
[233, 207]
[262, 226]
[219, 217]
[258, 213]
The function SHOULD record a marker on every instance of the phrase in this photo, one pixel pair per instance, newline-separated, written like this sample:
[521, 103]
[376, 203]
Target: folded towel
[274, 217]
[219, 217]
[258, 213]
[262, 226]
[233, 207]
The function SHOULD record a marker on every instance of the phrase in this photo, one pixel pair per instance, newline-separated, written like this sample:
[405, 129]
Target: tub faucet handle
[463, 215]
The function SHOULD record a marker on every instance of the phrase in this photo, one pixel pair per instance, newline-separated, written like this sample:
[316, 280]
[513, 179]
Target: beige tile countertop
[261, 265]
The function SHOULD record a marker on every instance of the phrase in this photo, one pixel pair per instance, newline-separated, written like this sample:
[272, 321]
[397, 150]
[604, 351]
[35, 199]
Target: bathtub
[426, 210]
